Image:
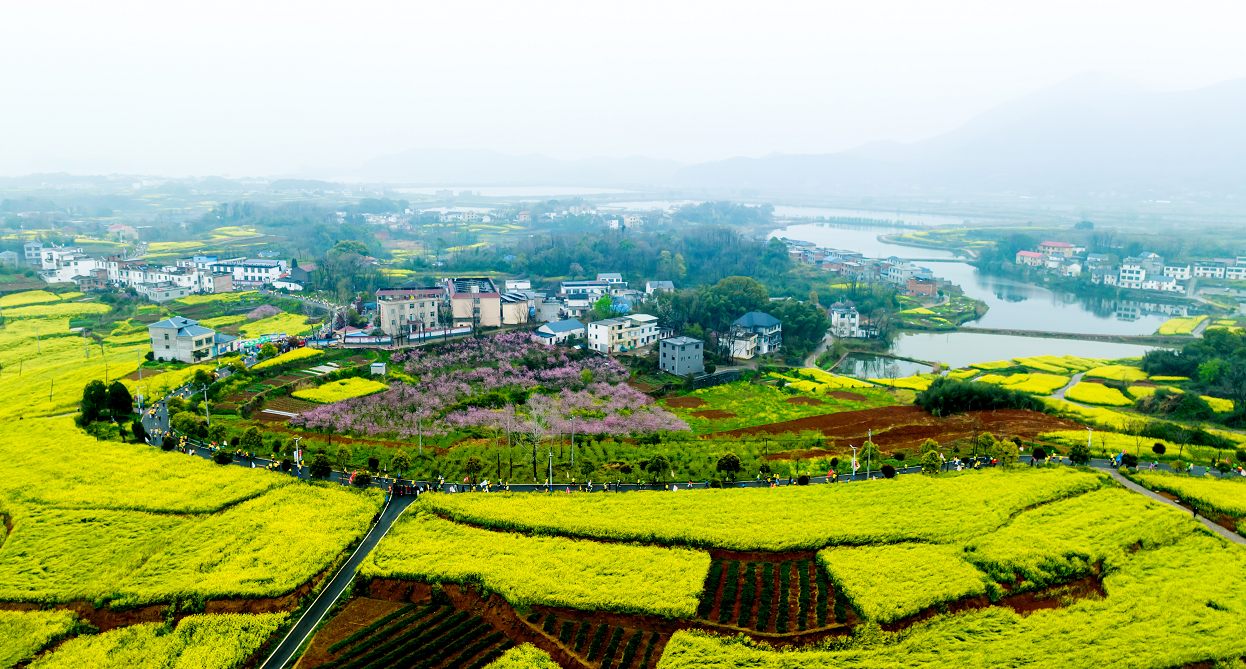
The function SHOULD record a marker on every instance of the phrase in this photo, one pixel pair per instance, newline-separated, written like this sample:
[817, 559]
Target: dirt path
[1059, 394]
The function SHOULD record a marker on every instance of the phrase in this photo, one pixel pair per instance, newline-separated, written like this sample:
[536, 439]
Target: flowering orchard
[506, 382]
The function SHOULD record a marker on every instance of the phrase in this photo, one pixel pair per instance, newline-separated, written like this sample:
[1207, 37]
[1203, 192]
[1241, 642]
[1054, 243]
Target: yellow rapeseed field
[1097, 393]
[336, 391]
[290, 356]
[292, 324]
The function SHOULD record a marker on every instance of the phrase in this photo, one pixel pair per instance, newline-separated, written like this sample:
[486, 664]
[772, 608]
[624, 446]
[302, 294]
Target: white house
[682, 356]
[768, 329]
[557, 332]
[181, 339]
[845, 321]
[624, 333]
[652, 287]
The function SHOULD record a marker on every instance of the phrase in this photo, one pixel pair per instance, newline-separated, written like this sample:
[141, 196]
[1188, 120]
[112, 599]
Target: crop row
[433, 636]
[612, 647]
[763, 588]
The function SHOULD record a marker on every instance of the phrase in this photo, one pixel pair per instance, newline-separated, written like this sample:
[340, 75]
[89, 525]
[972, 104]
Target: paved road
[1235, 538]
[1059, 394]
[311, 618]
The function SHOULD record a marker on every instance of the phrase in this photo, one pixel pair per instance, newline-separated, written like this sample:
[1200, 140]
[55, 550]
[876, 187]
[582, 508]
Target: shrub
[1130, 460]
[363, 479]
[946, 396]
[222, 457]
[1158, 449]
[1039, 453]
[169, 442]
[1079, 454]
[803, 479]
[889, 471]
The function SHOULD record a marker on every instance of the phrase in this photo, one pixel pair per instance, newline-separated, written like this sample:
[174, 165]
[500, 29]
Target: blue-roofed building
[182, 339]
[557, 332]
[766, 333]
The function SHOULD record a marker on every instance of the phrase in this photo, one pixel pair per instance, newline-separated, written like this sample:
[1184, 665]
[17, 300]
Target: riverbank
[1146, 340]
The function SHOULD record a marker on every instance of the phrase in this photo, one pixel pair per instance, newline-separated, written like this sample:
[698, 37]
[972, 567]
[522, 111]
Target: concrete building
[252, 273]
[613, 278]
[96, 280]
[597, 288]
[474, 301]
[1058, 249]
[742, 344]
[845, 321]
[1179, 272]
[409, 311]
[768, 329]
[625, 333]
[1031, 258]
[1209, 270]
[920, 287]
[518, 284]
[682, 356]
[515, 308]
[181, 339]
[558, 332]
[9, 258]
[162, 292]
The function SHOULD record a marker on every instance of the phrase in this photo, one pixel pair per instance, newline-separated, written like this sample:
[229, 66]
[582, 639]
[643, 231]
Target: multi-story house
[474, 301]
[845, 321]
[768, 329]
[407, 311]
[597, 288]
[681, 356]
[625, 333]
[181, 339]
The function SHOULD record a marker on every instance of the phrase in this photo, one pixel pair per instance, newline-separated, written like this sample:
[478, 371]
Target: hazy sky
[261, 88]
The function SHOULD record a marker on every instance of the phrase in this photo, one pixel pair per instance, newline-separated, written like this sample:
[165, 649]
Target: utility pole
[551, 472]
[139, 353]
[573, 443]
[868, 454]
[205, 406]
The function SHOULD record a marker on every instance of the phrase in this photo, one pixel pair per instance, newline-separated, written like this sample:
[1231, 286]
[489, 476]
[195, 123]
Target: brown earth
[906, 426]
[358, 614]
[713, 414]
[289, 404]
[845, 395]
[685, 402]
[804, 400]
[322, 439]
[147, 374]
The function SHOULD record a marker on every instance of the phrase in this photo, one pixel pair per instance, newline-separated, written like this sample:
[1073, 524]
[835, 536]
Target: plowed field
[907, 426]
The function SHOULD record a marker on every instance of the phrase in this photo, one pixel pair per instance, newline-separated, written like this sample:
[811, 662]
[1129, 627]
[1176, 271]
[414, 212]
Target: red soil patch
[845, 395]
[288, 404]
[685, 402]
[147, 374]
[804, 400]
[713, 414]
[907, 426]
[239, 398]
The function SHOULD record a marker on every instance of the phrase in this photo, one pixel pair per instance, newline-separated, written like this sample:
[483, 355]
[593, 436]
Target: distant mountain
[1089, 134]
[482, 167]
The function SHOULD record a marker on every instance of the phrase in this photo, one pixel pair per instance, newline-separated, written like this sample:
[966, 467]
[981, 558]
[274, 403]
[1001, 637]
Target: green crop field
[198, 642]
[756, 404]
[556, 571]
[139, 525]
[24, 633]
[918, 509]
[1227, 496]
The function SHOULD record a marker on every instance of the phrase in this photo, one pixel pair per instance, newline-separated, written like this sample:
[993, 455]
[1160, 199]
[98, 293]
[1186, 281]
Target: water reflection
[866, 366]
[959, 349]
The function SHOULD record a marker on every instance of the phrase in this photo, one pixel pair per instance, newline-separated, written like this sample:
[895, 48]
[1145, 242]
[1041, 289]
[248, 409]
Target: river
[1012, 306]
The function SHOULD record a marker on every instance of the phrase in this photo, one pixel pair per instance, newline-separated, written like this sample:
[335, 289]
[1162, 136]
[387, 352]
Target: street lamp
[854, 461]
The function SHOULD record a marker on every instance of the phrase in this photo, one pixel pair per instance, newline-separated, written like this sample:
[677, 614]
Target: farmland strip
[653, 641]
[367, 631]
[824, 594]
[727, 603]
[747, 595]
[385, 653]
[389, 632]
[448, 641]
[711, 589]
[564, 637]
[615, 640]
[476, 648]
[598, 639]
[582, 636]
[802, 568]
[783, 606]
[767, 594]
[629, 652]
[550, 624]
[493, 655]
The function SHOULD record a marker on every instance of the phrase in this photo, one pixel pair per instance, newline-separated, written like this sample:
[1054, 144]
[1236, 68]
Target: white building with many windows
[181, 339]
[409, 311]
[625, 333]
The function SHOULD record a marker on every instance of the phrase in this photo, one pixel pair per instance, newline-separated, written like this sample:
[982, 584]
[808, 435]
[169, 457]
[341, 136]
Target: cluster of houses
[1145, 271]
[908, 278]
[160, 281]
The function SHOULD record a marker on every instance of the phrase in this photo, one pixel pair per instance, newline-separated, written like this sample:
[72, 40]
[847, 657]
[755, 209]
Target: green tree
[352, 246]
[268, 350]
[252, 440]
[870, 454]
[94, 401]
[658, 466]
[203, 378]
[400, 463]
[1005, 451]
[930, 462]
[343, 456]
[729, 464]
[140, 432]
[928, 446]
[185, 422]
[472, 467]
[1079, 454]
[320, 466]
[119, 401]
[731, 298]
[218, 432]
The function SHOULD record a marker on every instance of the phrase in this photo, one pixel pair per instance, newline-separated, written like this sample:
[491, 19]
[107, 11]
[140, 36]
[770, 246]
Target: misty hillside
[1089, 134]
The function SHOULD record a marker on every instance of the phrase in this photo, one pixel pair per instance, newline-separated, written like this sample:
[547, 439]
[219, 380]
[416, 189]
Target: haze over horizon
[238, 89]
